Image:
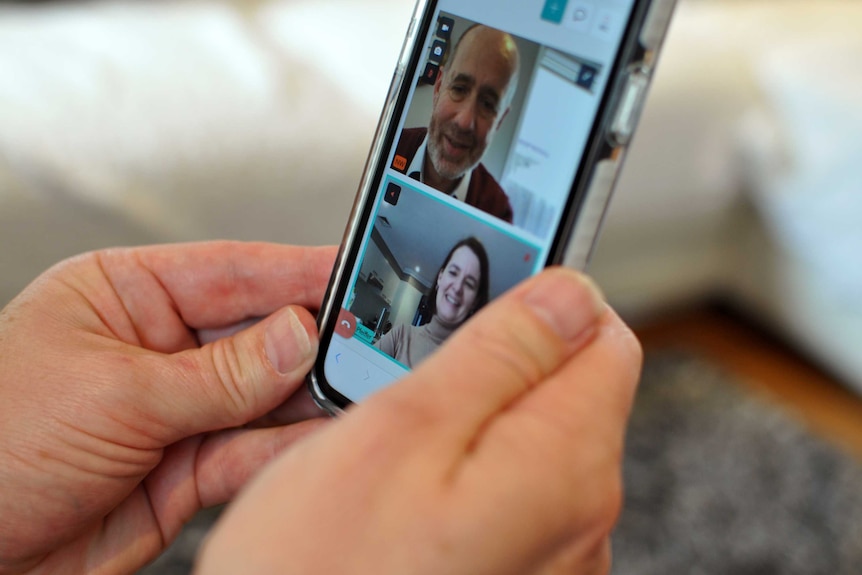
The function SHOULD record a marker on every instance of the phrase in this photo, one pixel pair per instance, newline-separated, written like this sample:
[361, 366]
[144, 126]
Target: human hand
[500, 454]
[110, 409]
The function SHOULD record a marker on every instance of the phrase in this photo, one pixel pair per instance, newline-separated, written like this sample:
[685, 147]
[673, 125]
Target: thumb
[504, 353]
[230, 381]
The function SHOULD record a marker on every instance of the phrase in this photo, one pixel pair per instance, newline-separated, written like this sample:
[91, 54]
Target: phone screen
[497, 106]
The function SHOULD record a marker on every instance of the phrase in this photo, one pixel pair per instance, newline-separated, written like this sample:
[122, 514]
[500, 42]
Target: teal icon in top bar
[553, 11]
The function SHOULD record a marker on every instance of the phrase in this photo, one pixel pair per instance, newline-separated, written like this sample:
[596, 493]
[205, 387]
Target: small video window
[497, 122]
[426, 270]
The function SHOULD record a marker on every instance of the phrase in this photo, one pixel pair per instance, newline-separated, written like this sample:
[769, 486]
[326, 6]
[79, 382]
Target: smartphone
[501, 137]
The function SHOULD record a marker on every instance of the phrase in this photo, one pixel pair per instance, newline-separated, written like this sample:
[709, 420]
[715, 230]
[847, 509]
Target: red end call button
[346, 325]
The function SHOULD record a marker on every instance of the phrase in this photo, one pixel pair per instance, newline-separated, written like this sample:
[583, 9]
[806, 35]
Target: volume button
[404, 56]
[395, 84]
[411, 29]
[629, 106]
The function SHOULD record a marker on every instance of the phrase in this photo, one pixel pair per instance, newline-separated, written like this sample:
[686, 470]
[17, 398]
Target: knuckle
[611, 503]
[606, 497]
[628, 347]
[629, 360]
[231, 375]
[632, 349]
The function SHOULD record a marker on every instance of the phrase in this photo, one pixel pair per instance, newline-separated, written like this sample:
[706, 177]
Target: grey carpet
[720, 482]
[717, 482]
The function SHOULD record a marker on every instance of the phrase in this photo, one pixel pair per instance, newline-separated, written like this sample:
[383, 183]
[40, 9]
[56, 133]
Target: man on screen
[472, 96]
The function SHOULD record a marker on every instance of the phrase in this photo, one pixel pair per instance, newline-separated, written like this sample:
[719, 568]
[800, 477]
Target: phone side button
[629, 106]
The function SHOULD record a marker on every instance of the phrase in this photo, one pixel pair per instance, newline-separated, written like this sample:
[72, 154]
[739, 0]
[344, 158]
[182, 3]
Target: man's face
[468, 98]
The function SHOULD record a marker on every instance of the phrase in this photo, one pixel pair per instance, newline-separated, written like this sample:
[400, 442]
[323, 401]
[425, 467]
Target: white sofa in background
[745, 179]
[127, 122]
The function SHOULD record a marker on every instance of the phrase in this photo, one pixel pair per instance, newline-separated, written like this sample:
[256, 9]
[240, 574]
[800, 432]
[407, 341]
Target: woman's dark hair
[482, 291]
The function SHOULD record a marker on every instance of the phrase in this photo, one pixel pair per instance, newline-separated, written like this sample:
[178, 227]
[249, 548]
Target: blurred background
[732, 244]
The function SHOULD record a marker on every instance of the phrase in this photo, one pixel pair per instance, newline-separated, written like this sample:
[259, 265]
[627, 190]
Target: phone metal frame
[572, 246]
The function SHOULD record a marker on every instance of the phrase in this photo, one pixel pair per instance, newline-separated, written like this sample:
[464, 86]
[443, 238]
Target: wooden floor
[766, 364]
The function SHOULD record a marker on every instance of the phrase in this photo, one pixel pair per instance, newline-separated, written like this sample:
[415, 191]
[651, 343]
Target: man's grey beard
[437, 161]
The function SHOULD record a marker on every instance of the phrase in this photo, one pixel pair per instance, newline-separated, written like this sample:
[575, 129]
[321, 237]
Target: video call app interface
[495, 123]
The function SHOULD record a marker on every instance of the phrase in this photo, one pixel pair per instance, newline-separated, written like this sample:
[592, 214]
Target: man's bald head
[491, 40]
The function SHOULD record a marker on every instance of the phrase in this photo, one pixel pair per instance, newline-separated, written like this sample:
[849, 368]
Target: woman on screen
[460, 291]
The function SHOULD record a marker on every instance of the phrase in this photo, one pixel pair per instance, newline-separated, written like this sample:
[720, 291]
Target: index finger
[214, 284]
[156, 294]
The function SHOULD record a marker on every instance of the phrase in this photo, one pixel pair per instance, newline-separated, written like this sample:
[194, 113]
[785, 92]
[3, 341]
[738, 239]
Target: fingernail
[286, 342]
[569, 302]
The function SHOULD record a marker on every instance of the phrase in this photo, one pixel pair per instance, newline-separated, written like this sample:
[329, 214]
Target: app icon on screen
[554, 10]
[586, 76]
[438, 48]
[393, 192]
[431, 72]
[399, 163]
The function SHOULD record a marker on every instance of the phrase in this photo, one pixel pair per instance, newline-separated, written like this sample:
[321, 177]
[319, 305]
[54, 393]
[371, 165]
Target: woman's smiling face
[457, 286]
